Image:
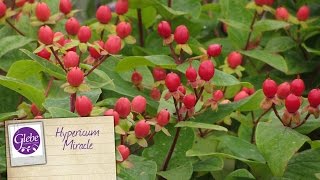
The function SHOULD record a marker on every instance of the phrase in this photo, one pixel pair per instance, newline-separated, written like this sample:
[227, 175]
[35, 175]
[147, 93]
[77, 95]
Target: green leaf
[209, 164]
[240, 174]
[8, 115]
[273, 60]
[98, 78]
[179, 173]
[304, 165]
[166, 12]
[280, 44]
[162, 142]
[142, 169]
[269, 25]
[287, 141]
[33, 94]
[235, 24]
[60, 113]
[134, 4]
[10, 43]
[3, 159]
[47, 66]
[201, 125]
[131, 62]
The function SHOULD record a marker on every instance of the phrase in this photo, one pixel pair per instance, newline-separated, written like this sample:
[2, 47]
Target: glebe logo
[26, 140]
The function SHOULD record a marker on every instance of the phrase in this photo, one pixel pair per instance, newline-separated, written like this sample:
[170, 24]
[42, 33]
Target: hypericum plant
[207, 89]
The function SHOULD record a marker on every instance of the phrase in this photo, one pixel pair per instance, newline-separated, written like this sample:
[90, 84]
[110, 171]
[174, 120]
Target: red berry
[297, 87]
[159, 73]
[65, 6]
[72, 26]
[113, 44]
[264, 2]
[66, 41]
[241, 95]
[136, 78]
[123, 29]
[155, 94]
[217, 95]
[45, 35]
[234, 59]
[250, 91]
[34, 109]
[164, 29]
[189, 101]
[269, 88]
[122, 7]
[142, 129]
[103, 14]
[303, 13]
[84, 34]
[20, 3]
[83, 106]
[283, 90]
[59, 38]
[139, 104]
[124, 151]
[191, 74]
[111, 112]
[93, 52]
[182, 89]
[44, 53]
[3, 9]
[314, 98]
[42, 11]
[206, 70]
[163, 117]
[123, 107]
[282, 13]
[214, 50]
[181, 34]
[172, 81]
[292, 103]
[75, 77]
[71, 59]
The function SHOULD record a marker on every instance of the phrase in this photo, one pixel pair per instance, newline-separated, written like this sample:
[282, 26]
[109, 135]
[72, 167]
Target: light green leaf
[179, 173]
[274, 60]
[276, 137]
[269, 25]
[209, 164]
[10, 43]
[280, 44]
[60, 113]
[240, 174]
[201, 125]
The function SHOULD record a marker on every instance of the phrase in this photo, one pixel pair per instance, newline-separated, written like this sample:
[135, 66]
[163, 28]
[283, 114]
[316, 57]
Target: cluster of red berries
[291, 93]
[303, 13]
[122, 109]
[181, 33]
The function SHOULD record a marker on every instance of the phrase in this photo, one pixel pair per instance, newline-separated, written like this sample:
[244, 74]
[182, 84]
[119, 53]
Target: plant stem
[277, 113]
[304, 121]
[169, 3]
[255, 123]
[73, 97]
[176, 59]
[97, 65]
[15, 28]
[251, 29]
[177, 109]
[173, 145]
[58, 59]
[101, 35]
[49, 86]
[140, 27]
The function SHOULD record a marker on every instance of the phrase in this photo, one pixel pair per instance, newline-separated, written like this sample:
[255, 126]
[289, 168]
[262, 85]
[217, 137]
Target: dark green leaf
[269, 25]
[179, 173]
[240, 174]
[201, 125]
[209, 164]
[280, 44]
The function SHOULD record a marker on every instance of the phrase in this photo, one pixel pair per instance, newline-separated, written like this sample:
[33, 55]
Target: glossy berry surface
[75, 77]
[214, 50]
[303, 13]
[3, 9]
[292, 103]
[155, 94]
[139, 104]
[283, 90]
[83, 106]
[189, 101]
[181, 34]
[240, 95]
[159, 74]
[72, 26]
[206, 70]
[113, 44]
[84, 34]
[123, 29]
[45, 35]
[123, 107]
[136, 78]
[115, 114]
[122, 7]
[217, 95]
[42, 11]
[65, 6]
[142, 129]
[124, 151]
[282, 13]
[44, 53]
[314, 98]
[103, 14]
[94, 52]
[164, 29]
[297, 87]
[163, 117]
[172, 82]
[234, 59]
[269, 88]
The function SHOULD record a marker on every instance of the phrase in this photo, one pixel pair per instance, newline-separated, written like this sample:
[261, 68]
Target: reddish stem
[48, 87]
[140, 27]
[97, 65]
[73, 101]
[15, 28]
[58, 59]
